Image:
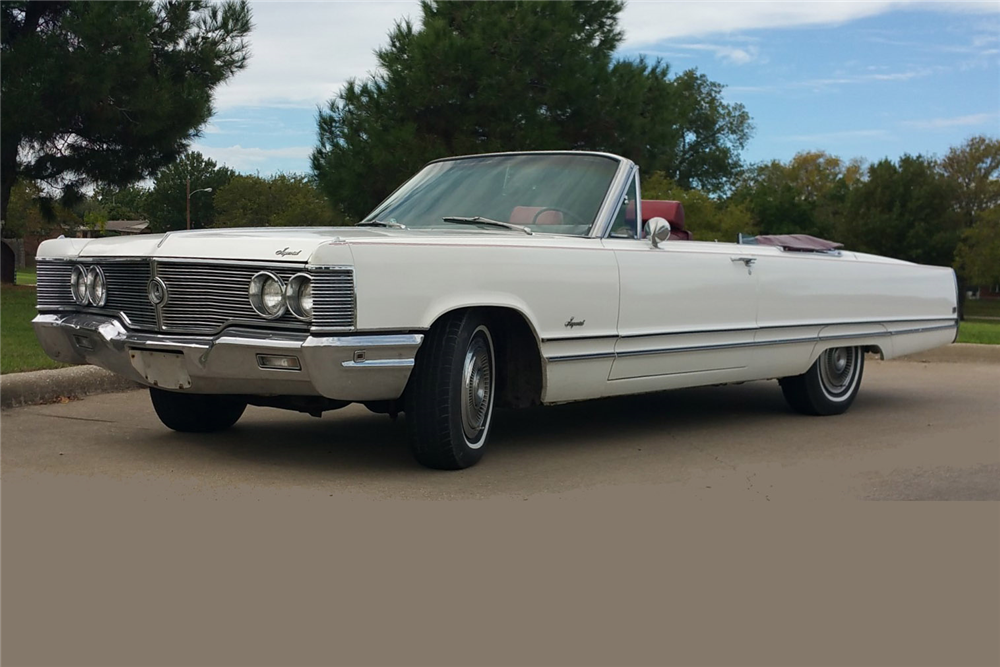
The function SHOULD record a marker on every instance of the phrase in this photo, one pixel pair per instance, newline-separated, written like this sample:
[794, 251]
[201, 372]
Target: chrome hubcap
[477, 385]
[836, 369]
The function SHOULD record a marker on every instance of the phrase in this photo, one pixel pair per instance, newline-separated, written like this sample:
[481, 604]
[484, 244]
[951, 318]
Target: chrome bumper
[348, 368]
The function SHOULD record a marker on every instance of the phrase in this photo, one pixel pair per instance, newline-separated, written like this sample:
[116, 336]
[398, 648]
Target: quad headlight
[78, 285]
[267, 295]
[299, 296]
[88, 286]
[96, 288]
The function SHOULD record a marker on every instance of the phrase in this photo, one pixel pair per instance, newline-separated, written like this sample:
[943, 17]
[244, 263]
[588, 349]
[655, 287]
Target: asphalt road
[707, 526]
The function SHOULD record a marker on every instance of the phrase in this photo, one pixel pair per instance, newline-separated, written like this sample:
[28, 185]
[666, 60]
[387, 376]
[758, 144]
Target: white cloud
[651, 22]
[841, 78]
[828, 137]
[955, 121]
[247, 159]
[734, 55]
[303, 52]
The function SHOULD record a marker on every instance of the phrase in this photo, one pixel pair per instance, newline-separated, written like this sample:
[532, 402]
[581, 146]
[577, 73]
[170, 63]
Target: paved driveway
[700, 526]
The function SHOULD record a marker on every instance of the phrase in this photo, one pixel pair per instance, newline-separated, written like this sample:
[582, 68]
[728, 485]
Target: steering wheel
[565, 212]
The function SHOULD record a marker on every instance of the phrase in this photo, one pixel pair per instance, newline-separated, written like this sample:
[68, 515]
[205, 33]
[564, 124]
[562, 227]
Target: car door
[686, 307]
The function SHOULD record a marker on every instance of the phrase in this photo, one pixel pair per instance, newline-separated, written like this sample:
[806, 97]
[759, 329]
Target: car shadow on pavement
[354, 440]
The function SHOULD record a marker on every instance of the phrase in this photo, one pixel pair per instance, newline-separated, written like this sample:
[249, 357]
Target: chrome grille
[52, 287]
[203, 298]
[333, 298]
[126, 289]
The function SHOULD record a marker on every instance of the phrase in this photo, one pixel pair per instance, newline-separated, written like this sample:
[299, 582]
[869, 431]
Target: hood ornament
[285, 252]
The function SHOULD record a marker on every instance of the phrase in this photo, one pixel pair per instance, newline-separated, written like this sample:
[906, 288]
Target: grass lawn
[26, 277]
[19, 349]
[979, 332]
[974, 308]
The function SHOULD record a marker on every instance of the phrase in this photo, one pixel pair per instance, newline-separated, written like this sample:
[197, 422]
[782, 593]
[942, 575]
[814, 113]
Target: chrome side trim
[582, 357]
[380, 363]
[763, 343]
[760, 328]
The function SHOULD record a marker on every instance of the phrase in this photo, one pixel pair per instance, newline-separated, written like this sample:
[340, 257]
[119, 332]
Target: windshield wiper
[478, 220]
[380, 223]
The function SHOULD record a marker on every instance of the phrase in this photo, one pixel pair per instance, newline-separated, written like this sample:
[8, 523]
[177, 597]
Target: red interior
[671, 211]
[526, 215]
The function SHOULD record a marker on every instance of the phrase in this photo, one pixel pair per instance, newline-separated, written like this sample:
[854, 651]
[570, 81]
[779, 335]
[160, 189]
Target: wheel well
[874, 349]
[519, 360]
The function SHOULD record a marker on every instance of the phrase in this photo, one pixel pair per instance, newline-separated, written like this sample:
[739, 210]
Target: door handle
[747, 262]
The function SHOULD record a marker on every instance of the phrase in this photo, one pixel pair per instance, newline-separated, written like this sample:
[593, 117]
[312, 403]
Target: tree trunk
[8, 172]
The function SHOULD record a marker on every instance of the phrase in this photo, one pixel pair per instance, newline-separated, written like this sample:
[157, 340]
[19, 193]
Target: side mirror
[658, 230]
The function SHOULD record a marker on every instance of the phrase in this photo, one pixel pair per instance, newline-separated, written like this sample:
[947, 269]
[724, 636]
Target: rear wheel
[830, 385]
[196, 413]
[449, 401]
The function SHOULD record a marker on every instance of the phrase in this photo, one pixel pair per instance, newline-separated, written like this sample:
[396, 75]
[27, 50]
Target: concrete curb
[958, 353]
[38, 387]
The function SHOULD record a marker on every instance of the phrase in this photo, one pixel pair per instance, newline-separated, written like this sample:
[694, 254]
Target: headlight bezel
[256, 295]
[77, 278]
[95, 273]
[293, 296]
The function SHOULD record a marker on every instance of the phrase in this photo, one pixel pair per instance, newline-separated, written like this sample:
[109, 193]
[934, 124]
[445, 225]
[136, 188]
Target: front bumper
[348, 368]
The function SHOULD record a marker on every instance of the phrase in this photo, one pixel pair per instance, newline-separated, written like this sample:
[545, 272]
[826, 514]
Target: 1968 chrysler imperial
[483, 281]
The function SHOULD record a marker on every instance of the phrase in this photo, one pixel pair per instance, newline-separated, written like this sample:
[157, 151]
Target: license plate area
[161, 369]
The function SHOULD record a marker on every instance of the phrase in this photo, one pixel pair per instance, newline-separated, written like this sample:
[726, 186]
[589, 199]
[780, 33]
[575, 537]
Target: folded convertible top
[800, 242]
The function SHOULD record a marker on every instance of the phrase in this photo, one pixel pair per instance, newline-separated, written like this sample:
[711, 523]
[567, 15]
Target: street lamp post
[189, 193]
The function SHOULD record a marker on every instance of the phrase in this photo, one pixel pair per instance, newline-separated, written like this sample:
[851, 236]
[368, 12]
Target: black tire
[830, 385]
[196, 413]
[455, 369]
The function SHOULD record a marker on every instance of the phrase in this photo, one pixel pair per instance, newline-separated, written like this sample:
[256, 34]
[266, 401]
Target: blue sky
[856, 79]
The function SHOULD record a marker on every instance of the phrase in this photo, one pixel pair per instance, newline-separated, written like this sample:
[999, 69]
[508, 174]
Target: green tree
[679, 126]
[904, 210]
[806, 195]
[978, 255]
[128, 203]
[975, 168]
[109, 91]
[707, 219]
[25, 214]
[166, 205]
[479, 77]
[279, 201]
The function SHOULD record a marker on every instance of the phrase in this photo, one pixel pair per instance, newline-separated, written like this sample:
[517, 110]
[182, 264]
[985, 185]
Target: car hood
[273, 244]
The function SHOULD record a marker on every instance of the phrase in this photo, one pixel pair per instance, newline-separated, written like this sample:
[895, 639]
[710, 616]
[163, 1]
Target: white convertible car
[490, 280]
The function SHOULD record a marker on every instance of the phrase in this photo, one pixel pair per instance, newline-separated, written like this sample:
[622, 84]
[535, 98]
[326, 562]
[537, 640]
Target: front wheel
[196, 413]
[449, 400]
[830, 385]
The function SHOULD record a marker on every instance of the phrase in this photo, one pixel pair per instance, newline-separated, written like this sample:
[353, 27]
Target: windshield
[558, 194]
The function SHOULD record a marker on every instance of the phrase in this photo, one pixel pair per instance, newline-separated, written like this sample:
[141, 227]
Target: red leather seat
[526, 215]
[671, 211]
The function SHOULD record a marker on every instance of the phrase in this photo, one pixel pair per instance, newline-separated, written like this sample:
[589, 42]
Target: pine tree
[477, 77]
[109, 92]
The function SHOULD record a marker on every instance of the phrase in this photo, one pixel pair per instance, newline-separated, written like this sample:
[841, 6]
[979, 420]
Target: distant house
[986, 292]
[114, 228]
